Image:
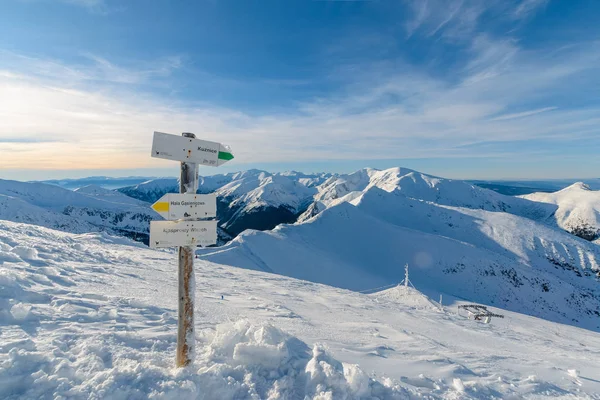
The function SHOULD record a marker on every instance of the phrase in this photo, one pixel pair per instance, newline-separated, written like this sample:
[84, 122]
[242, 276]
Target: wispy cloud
[523, 114]
[26, 139]
[527, 8]
[96, 69]
[105, 70]
[396, 115]
[459, 19]
[93, 6]
[454, 18]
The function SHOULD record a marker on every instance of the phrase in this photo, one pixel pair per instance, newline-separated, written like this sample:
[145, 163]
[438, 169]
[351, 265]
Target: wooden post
[187, 284]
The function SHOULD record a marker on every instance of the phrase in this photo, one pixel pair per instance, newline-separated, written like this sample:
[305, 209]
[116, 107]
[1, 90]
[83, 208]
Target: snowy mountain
[88, 209]
[578, 209]
[250, 199]
[523, 187]
[262, 201]
[362, 242]
[151, 190]
[102, 181]
[111, 196]
[421, 186]
[16, 209]
[95, 316]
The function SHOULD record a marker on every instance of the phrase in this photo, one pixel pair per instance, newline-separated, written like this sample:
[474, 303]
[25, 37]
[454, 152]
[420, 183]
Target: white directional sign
[185, 149]
[179, 206]
[182, 233]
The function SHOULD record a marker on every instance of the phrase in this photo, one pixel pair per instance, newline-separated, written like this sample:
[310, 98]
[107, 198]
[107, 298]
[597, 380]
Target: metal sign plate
[179, 206]
[184, 149]
[182, 233]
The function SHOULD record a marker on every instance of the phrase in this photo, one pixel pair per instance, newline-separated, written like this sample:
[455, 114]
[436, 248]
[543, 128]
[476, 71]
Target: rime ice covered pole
[187, 284]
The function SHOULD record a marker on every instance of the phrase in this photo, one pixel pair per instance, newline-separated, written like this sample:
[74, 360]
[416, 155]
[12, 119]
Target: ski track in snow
[94, 317]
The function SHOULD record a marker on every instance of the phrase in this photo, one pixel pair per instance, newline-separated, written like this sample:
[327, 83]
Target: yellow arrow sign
[161, 206]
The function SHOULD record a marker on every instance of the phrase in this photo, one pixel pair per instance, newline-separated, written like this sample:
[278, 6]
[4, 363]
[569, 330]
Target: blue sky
[457, 88]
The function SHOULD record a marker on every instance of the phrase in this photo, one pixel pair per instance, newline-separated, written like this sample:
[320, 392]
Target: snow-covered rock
[578, 209]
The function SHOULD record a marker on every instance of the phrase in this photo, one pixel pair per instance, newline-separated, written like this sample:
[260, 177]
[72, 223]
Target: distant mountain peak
[577, 186]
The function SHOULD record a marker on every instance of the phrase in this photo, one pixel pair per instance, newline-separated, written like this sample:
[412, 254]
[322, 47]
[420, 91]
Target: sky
[473, 89]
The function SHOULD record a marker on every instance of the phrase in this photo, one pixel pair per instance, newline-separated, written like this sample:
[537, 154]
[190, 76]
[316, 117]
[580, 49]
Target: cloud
[93, 6]
[455, 18]
[92, 68]
[523, 114]
[103, 69]
[528, 7]
[85, 3]
[460, 19]
[26, 139]
[504, 94]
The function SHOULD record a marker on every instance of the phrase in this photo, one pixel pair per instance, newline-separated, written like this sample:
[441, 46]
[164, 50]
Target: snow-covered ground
[363, 241]
[578, 209]
[94, 316]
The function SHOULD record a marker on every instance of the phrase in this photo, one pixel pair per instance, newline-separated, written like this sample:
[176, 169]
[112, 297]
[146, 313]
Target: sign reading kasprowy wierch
[185, 149]
[182, 233]
[179, 206]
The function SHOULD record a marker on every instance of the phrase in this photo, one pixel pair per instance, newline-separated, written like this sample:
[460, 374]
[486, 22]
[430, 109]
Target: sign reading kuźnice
[182, 233]
[191, 150]
[177, 206]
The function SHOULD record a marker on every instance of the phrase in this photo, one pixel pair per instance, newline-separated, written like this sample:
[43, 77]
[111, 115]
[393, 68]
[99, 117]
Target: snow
[18, 210]
[248, 199]
[578, 207]
[94, 316]
[88, 209]
[494, 258]
[112, 196]
[416, 185]
[252, 188]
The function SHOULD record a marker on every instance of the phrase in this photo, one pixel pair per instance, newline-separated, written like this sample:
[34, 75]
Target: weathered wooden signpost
[183, 227]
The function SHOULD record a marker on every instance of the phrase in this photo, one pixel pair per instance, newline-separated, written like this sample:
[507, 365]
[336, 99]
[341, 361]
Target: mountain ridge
[578, 209]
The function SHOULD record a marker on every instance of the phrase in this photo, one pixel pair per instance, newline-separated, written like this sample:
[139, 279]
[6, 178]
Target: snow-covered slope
[106, 182]
[578, 209]
[491, 257]
[262, 201]
[15, 209]
[111, 196]
[86, 210]
[151, 190]
[424, 187]
[94, 316]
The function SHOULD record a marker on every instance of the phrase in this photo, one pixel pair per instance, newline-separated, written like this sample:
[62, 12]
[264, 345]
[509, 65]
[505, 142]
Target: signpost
[183, 228]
